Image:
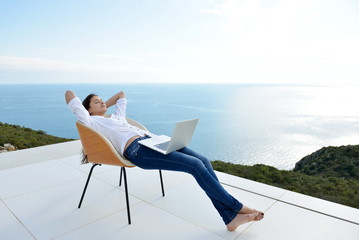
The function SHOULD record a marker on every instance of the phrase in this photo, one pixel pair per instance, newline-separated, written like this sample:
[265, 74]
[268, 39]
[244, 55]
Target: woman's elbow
[122, 94]
[69, 95]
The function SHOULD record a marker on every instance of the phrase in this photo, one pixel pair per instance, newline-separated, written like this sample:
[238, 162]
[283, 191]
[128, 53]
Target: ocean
[276, 125]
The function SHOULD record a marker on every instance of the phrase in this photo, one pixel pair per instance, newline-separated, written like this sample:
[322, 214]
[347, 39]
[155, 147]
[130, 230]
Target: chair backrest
[99, 149]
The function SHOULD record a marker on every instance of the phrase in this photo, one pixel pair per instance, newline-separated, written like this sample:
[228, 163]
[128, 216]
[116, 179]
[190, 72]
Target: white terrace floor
[40, 189]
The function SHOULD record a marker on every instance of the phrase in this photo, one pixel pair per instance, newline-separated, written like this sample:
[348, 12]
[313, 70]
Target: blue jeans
[186, 160]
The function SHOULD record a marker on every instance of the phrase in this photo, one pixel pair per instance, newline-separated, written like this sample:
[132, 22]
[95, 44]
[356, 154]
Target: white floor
[41, 187]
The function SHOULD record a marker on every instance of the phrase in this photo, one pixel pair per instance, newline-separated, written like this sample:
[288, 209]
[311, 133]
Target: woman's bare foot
[247, 210]
[241, 219]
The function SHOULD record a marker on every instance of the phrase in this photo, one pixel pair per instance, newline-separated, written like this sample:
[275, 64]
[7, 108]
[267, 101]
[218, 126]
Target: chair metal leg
[121, 176]
[163, 189]
[123, 171]
[126, 192]
[87, 182]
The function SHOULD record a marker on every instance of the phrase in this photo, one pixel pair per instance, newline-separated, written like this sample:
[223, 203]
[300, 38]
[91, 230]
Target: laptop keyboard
[162, 146]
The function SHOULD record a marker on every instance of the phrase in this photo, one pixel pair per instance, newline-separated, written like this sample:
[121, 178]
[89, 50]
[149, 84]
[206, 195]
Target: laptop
[181, 137]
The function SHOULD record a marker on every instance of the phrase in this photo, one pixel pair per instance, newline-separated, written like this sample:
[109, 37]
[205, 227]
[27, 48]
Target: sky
[187, 41]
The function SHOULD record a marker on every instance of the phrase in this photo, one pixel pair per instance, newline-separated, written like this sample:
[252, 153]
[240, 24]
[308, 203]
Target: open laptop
[181, 137]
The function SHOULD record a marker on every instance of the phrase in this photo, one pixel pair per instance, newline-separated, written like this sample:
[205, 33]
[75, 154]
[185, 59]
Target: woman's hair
[87, 100]
[84, 159]
[86, 104]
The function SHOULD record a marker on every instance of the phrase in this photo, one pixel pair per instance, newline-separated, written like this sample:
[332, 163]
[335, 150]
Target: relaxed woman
[125, 137]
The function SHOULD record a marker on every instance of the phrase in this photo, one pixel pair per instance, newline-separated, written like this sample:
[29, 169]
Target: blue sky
[194, 41]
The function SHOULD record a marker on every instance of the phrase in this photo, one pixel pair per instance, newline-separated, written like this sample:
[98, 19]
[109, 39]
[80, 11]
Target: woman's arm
[112, 101]
[76, 107]
[69, 95]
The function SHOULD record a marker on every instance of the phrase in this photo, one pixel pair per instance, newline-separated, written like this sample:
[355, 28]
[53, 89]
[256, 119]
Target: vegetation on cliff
[22, 137]
[338, 162]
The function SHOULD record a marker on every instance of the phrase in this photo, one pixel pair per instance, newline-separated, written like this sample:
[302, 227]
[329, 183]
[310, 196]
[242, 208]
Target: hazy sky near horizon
[204, 41]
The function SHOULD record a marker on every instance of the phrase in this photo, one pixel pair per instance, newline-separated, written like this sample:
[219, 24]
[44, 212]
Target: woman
[125, 137]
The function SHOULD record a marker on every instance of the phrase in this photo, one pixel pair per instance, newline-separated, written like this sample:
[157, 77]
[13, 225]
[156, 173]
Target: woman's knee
[198, 166]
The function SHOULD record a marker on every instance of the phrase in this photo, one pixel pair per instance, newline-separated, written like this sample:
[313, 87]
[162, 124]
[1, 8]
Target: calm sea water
[275, 125]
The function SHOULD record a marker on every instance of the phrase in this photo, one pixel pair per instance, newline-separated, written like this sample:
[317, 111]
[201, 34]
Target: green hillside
[22, 137]
[339, 162]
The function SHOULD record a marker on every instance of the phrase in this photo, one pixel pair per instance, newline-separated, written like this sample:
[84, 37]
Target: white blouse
[115, 128]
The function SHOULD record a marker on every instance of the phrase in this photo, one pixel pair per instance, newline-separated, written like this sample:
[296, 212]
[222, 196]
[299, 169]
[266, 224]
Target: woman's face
[97, 106]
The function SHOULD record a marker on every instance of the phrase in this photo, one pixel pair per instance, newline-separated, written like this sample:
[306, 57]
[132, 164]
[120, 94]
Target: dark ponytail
[84, 159]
